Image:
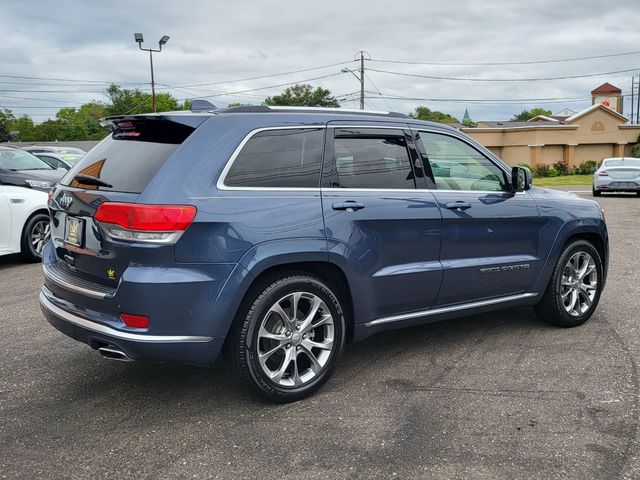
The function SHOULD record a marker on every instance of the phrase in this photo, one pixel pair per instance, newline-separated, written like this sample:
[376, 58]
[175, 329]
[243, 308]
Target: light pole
[361, 80]
[139, 39]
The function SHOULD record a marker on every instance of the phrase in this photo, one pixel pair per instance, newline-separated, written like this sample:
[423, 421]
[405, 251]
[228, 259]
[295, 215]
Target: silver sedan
[617, 175]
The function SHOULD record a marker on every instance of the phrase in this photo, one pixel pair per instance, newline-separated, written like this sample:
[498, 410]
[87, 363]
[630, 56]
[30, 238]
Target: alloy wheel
[40, 233]
[579, 284]
[295, 339]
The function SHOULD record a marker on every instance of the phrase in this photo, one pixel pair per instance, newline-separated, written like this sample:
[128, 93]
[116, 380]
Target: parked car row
[32, 167]
[26, 175]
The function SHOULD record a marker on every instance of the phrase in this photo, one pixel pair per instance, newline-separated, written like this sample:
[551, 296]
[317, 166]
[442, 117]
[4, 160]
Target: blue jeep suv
[282, 234]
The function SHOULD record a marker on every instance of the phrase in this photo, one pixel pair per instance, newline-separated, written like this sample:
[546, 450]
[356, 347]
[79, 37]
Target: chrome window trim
[112, 332]
[414, 190]
[355, 190]
[223, 175]
[379, 127]
[452, 308]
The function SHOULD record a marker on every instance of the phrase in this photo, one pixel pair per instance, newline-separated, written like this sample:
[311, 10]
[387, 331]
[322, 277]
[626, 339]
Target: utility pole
[163, 41]
[361, 77]
[638, 102]
[153, 84]
[361, 80]
[633, 91]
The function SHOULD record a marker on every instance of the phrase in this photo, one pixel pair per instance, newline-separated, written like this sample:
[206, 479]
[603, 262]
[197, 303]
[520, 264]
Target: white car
[617, 175]
[24, 221]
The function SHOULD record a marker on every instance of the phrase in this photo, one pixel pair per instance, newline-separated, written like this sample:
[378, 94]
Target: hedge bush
[561, 168]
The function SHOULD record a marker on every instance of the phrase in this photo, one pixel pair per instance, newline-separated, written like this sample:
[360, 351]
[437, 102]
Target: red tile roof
[606, 88]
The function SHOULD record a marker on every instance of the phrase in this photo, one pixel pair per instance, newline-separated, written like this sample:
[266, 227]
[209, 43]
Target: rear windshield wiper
[89, 180]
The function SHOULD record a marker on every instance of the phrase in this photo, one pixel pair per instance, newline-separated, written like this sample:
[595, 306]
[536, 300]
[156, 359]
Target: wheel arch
[593, 231]
[328, 272]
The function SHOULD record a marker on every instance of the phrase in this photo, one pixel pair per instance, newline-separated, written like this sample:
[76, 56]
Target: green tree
[81, 123]
[424, 113]
[25, 127]
[304, 95]
[525, 115]
[124, 101]
[49, 131]
[6, 119]
[635, 148]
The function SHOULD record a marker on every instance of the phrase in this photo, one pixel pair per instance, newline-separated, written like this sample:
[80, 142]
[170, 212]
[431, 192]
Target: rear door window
[128, 159]
[372, 161]
[282, 158]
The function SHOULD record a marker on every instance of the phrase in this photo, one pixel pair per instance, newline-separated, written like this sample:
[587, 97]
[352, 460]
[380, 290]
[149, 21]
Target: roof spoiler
[202, 106]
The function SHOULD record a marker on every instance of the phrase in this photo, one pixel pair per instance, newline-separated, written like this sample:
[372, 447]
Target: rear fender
[256, 261]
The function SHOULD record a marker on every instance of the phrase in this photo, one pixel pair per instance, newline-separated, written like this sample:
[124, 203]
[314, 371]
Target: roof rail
[295, 109]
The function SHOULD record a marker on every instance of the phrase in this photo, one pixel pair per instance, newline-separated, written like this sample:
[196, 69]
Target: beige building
[597, 132]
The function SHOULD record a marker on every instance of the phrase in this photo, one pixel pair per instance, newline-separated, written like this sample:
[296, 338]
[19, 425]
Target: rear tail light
[135, 321]
[603, 173]
[145, 223]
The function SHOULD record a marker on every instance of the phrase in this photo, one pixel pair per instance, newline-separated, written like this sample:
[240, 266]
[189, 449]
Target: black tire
[245, 343]
[29, 252]
[551, 308]
[596, 193]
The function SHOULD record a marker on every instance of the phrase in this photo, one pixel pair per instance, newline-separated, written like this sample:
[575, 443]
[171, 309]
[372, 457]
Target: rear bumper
[605, 184]
[196, 350]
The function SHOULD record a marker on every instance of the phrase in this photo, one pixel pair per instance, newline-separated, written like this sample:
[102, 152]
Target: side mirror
[521, 179]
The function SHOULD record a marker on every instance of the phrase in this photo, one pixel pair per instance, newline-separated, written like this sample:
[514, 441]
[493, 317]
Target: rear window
[284, 158]
[128, 159]
[618, 162]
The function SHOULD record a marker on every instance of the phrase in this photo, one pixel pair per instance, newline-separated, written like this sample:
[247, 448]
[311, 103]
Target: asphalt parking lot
[500, 395]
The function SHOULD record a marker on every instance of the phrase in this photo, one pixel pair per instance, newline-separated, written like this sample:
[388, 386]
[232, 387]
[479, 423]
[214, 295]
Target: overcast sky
[213, 41]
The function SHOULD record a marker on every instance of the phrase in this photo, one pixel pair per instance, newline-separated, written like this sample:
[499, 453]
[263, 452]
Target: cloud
[214, 41]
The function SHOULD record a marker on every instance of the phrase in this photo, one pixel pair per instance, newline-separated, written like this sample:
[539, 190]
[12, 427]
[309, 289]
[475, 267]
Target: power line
[467, 79]
[531, 62]
[265, 88]
[25, 77]
[379, 93]
[493, 100]
[52, 91]
[39, 99]
[265, 76]
[482, 102]
[70, 80]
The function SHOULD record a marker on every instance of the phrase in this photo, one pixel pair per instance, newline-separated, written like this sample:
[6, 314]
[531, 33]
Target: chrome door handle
[459, 205]
[349, 206]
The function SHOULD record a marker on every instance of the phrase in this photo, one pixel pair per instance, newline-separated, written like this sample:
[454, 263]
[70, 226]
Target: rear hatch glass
[117, 170]
[128, 159]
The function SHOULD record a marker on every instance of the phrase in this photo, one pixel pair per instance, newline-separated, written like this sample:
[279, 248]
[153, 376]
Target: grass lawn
[563, 180]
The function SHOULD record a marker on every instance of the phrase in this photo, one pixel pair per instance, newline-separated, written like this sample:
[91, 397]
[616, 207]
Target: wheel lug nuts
[297, 327]
[304, 335]
[288, 345]
[288, 333]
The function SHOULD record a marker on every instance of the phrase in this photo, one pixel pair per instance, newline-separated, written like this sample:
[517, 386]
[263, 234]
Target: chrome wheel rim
[39, 236]
[295, 339]
[579, 284]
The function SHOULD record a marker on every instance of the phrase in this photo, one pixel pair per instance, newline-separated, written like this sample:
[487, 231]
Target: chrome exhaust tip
[113, 353]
